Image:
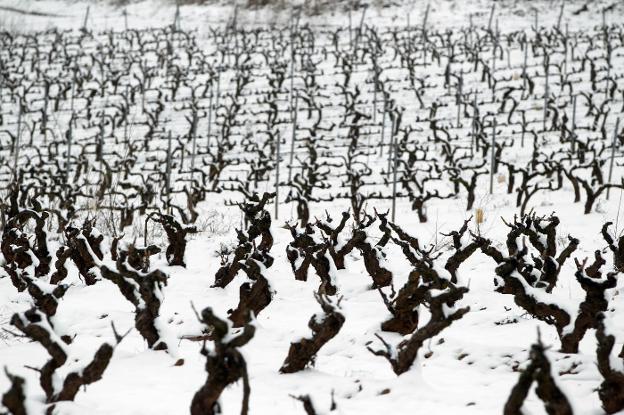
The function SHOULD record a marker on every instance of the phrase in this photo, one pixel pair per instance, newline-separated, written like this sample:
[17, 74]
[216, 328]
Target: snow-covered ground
[469, 368]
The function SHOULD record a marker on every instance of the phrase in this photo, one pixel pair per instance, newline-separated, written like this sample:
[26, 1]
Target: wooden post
[277, 165]
[176, 17]
[546, 89]
[613, 145]
[565, 53]
[73, 93]
[470, 28]
[292, 62]
[375, 81]
[394, 180]
[125, 14]
[493, 71]
[231, 31]
[523, 129]
[493, 149]
[235, 18]
[426, 17]
[450, 70]
[194, 143]
[608, 77]
[168, 173]
[536, 20]
[524, 66]
[209, 115]
[460, 84]
[294, 136]
[44, 118]
[127, 116]
[573, 129]
[607, 49]
[18, 136]
[572, 54]
[560, 15]
[359, 32]
[100, 147]
[409, 34]
[490, 19]
[473, 141]
[69, 146]
[424, 34]
[383, 126]
[368, 138]
[350, 29]
[235, 34]
[391, 146]
[86, 18]
[218, 93]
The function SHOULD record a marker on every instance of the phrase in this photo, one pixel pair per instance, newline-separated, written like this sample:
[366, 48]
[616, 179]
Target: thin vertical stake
[277, 165]
[573, 132]
[613, 145]
[17, 139]
[86, 18]
[294, 136]
[394, 181]
[168, 173]
[493, 145]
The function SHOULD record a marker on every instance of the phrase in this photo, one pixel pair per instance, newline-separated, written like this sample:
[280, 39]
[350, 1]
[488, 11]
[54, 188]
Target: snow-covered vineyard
[345, 212]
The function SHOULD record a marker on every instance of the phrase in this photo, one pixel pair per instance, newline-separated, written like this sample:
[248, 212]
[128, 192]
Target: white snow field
[476, 147]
